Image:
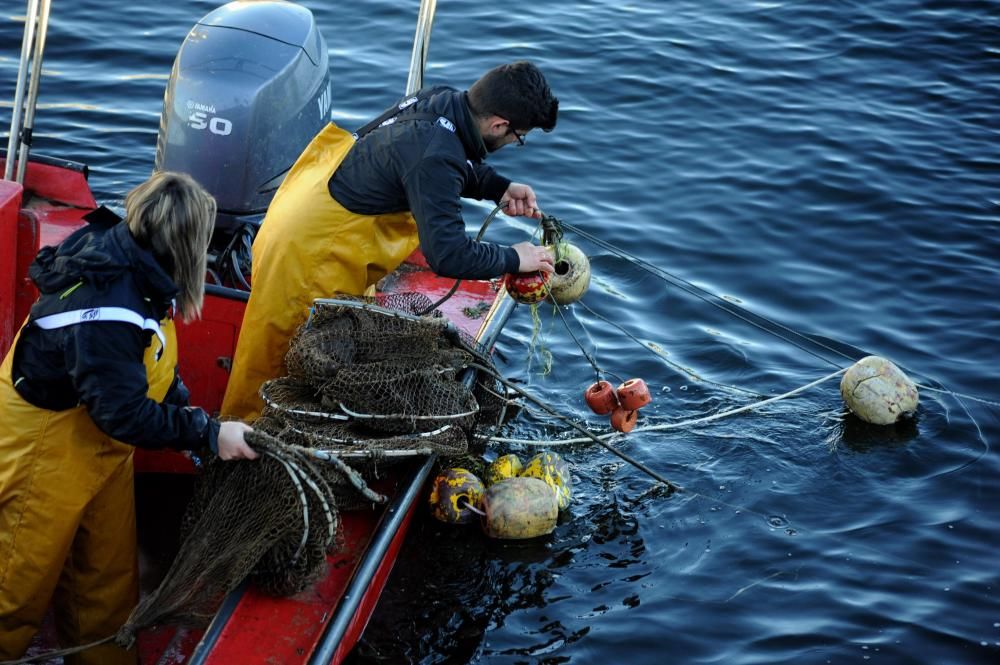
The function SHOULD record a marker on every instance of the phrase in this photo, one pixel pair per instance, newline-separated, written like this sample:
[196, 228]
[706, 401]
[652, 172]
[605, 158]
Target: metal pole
[22, 74]
[36, 75]
[421, 43]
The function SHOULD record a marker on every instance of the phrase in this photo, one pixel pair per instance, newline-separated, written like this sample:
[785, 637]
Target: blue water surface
[832, 167]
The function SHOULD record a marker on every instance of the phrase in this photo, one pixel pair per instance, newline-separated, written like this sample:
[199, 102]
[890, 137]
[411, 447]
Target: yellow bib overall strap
[308, 247]
[67, 519]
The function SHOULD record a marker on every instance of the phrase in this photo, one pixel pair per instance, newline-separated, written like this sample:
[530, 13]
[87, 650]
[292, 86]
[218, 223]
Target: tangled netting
[364, 378]
[370, 382]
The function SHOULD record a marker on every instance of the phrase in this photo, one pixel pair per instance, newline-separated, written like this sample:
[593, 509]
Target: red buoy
[634, 394]
[624, 421]
[527, 287]
[601, 398]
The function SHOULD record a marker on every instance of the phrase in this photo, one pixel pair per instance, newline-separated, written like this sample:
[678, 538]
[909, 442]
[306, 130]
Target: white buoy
[571, 277]
[878, 392]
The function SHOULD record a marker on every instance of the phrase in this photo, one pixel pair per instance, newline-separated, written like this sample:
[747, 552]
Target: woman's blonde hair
[173, 216]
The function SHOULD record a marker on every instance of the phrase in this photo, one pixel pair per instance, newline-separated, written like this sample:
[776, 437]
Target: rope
[593, 363]
[590, 436]
[745, 314]
[51, 655]
[677, 425]
[454, 287]
[973, 398]
[712, 299]
[670, 485]
[650, 347]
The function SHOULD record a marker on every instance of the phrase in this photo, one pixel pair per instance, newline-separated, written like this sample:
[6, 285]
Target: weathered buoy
[571, 276]
[634, 394]
[452, 492]
[878, 392]
[601, 398]
[527, 288]
[554, 471]
[518, 508]
[623, 420]
[505, 466]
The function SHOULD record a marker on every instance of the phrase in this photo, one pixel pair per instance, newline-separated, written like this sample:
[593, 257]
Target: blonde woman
[92, 374]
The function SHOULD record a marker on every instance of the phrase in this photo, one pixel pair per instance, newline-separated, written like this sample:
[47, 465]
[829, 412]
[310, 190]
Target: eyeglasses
[519, 137]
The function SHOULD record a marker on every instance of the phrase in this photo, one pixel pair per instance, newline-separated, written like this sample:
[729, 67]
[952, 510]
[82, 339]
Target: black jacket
[425, 167]
[100, 364]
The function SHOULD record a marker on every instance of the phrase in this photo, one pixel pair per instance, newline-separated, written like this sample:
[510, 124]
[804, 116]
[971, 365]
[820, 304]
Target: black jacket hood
[98, 256]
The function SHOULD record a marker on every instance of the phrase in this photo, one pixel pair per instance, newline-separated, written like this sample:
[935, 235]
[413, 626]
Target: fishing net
[370, 383]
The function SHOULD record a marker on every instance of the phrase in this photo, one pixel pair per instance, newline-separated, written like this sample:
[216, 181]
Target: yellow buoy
[878, 392]
[452, 492]
[518, 508]
[554, 471]
[505, 466]
[571, 276]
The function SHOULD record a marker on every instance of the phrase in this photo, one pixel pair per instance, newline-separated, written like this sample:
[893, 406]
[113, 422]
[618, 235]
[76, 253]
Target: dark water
[832, 166]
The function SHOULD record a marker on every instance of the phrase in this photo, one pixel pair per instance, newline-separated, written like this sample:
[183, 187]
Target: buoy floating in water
[878, 392]
[519, 508]
[452, 492]
[503, 467]
[554, 471]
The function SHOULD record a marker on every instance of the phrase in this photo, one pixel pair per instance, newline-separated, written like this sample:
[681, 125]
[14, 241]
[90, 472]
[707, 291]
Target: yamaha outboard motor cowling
[249, 89]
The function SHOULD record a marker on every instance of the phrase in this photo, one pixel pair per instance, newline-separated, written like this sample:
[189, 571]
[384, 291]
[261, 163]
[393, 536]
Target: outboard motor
[249, 89]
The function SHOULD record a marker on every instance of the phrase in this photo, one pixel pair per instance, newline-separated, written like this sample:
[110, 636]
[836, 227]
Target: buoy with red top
[527, 288]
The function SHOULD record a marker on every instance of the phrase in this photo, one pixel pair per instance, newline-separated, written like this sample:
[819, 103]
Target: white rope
[331, 521]
[962, 395]
[683, 423]
[302, 499]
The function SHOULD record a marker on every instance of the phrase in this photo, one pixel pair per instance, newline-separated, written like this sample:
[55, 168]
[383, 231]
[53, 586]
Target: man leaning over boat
[354, 206]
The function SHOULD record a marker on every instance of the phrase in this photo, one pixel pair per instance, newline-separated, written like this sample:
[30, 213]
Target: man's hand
[533, 257]
[521, 201]
[232, 445]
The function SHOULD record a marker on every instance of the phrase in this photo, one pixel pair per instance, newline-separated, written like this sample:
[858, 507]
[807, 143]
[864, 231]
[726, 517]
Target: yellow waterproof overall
[309, 247]
[67, 520]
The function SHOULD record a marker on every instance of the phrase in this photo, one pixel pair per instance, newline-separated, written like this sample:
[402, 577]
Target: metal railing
[36, 25]
[421, 43]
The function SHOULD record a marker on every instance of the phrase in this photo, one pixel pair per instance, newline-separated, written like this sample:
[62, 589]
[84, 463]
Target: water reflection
[864, 437]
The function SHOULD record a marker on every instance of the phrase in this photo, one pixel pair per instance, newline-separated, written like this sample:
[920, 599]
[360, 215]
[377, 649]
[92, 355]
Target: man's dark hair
[518, 93]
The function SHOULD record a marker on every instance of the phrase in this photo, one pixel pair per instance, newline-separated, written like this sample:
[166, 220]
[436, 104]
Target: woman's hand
[232, 444]
[521, 201]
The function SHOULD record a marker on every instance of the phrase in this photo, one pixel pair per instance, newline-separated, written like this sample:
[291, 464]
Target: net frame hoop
[319, 415]
[401, 416]
[357, 442]
[304, 502]
[376, 309]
